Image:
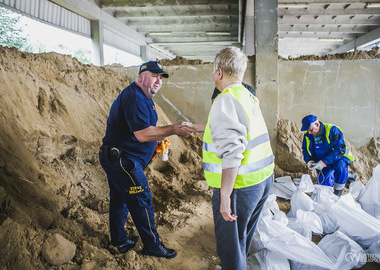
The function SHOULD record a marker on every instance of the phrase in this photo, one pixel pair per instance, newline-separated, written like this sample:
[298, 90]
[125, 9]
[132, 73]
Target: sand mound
[374, 53]
[178, 60]
[53, 111]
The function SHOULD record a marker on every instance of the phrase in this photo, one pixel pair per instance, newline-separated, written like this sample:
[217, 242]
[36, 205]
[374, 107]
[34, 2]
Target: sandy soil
[374, 53]
[53, 111]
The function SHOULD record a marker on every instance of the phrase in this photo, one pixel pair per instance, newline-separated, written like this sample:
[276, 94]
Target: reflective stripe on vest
[328, 127]
[258, 162]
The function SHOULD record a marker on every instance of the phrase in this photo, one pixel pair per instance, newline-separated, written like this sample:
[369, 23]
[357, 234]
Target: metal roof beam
[326, 2]
[144, 3]
[366, 38]
[193, 39]
[323, 29]
[178, 20]
[192, 28]
[316, 35]
[199, 44]
[182, 13]
[330, 12]
[328, 20]
[93, 12]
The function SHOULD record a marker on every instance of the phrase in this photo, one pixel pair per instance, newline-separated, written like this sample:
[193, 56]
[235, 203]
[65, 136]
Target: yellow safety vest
[328, 127]
[258, 162]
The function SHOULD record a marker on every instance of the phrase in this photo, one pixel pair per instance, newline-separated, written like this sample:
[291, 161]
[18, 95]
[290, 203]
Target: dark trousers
[129, 193]
[233, 239]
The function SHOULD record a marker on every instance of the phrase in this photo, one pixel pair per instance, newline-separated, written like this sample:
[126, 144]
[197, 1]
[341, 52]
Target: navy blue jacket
[131, 111]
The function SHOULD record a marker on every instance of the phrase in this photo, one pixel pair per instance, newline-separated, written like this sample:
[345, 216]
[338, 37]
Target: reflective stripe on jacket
[327, 127]
[258, 162]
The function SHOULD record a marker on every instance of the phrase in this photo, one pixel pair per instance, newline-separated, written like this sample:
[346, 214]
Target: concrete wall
[190, 88]
[343, 92]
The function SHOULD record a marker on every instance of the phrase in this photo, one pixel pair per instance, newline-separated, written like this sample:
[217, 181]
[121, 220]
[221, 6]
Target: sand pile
[374, 53]
[53, 111]
[54, 193]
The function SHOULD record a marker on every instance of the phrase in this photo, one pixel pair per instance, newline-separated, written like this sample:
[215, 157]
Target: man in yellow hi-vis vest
[325, 150]
[238, 159]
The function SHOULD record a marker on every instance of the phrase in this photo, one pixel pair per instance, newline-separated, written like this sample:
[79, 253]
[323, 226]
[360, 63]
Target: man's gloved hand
[311, 164]
[319, 165]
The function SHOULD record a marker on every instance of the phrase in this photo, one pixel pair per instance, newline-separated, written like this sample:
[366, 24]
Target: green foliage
[11, 32]
[83, 56]
[11, 35]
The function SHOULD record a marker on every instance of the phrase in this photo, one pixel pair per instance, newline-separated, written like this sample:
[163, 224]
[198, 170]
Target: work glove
[311, 164]
[319, 165]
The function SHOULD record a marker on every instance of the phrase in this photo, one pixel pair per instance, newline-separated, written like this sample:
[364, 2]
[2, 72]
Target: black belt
[110, 153]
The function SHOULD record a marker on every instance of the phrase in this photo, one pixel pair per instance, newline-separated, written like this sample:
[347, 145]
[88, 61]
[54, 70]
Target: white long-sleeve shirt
[229, 128]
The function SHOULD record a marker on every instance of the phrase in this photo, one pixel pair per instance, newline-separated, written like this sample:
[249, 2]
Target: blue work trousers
[233, 239]
[334, 173]
[129, 192]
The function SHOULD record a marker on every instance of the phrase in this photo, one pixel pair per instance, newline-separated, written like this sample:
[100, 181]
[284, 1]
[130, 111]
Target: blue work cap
[154, 67]
[307, 121]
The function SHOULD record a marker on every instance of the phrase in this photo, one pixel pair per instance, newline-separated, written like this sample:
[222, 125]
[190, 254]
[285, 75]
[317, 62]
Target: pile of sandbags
[349, 226]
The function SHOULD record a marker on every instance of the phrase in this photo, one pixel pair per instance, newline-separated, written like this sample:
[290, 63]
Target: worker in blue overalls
[325, 150]
[128, 146]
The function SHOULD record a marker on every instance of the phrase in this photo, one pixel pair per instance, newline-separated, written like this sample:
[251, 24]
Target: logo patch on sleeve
[135, 190]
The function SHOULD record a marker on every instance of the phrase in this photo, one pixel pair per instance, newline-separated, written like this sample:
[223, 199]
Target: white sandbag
[310, 220]
[270, 210]
[356, 189]
[257, 244]
[270, 206]
[370, 199]
[267, 260]
[306, 223]
[323, 194]
[302, 266]
[345, 253]
[283, 187]
[355, 222]
[306, 184]
[305, 232]
[300, 200]
[373, 252]
[323, 198]
[329, 222]
[278, 237]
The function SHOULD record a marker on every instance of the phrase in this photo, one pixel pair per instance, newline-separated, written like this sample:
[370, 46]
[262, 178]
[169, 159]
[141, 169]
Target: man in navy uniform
[128, 146]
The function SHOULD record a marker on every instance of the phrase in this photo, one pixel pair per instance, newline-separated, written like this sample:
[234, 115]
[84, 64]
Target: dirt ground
[53, 111]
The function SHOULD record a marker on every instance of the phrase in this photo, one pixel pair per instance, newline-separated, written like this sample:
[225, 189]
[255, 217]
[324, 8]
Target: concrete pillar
[143, 53]
[97, 42]
[266, 62]
[249, 46]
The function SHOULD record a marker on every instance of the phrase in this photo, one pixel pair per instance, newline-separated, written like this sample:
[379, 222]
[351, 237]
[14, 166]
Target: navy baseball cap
[153, 67]
[307, 121]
